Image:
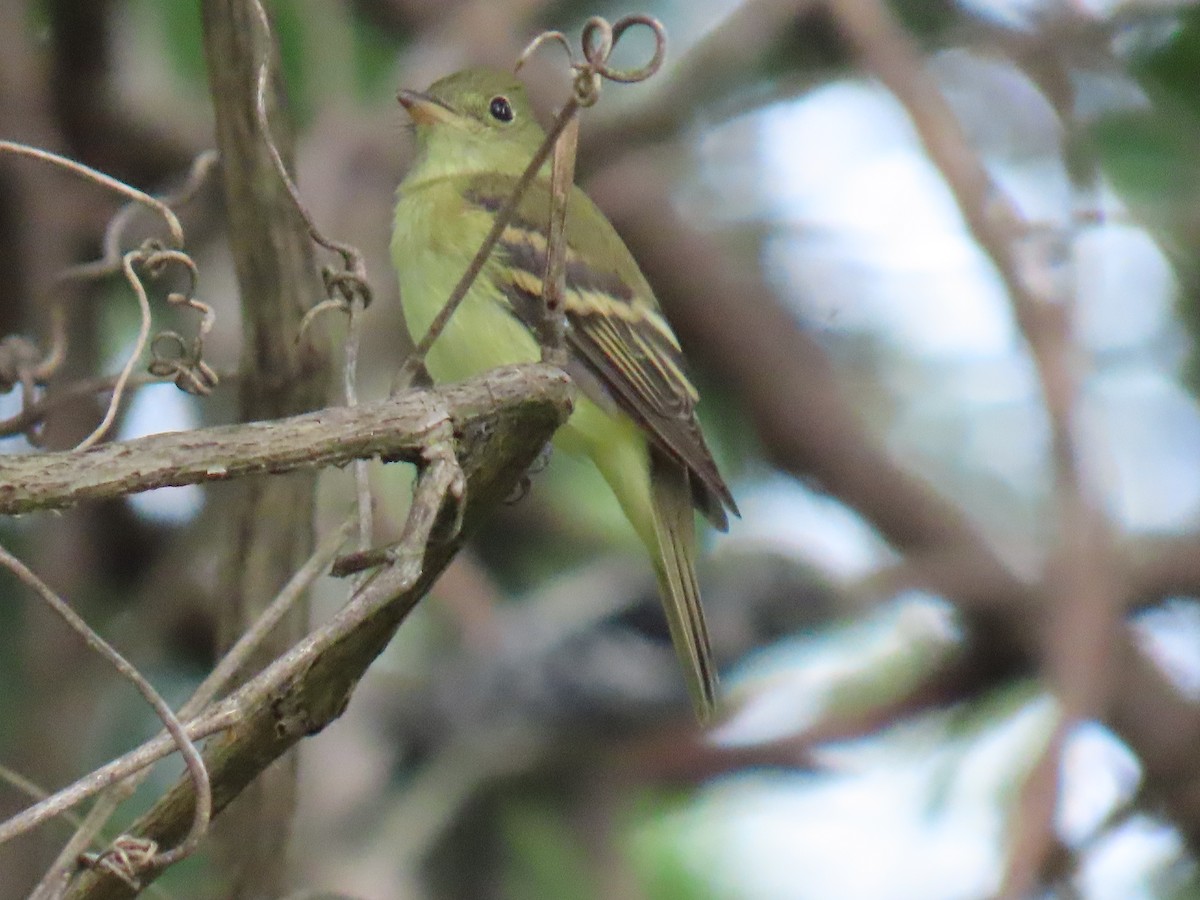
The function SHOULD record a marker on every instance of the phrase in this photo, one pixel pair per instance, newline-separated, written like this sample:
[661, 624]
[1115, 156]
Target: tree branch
[393, 429]
[309, 687]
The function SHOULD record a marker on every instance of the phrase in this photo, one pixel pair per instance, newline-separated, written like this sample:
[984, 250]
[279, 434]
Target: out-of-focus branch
[1162, 567]
[470, 32]
[1080, 580]
[728, 316]
[283, 372]
[763, 52]
[887, 53]
[712, 71]
[401, 17]
[94, 122]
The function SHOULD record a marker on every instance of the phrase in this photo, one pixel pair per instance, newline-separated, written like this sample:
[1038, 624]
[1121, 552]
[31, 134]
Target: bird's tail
[675, 528]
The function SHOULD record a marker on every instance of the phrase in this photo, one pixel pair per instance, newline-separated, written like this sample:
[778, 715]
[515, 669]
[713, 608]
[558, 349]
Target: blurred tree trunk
[40, 230]
[271, 518]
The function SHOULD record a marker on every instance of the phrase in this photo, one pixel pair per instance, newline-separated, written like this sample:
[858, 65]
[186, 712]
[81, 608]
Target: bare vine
[22, 363]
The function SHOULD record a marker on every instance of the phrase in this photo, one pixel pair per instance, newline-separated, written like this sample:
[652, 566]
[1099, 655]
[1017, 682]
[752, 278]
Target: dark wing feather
[616, 330]
[642, 375]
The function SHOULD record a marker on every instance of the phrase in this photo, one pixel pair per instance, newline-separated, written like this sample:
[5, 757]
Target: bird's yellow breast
[482, 334]
[435, 238]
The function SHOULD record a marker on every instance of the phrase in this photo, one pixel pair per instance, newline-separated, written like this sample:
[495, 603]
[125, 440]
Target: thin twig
[189, 370]
[225, 716]
[599, 39]
[103, 180]
[36, 372]
[155, 258]
[440, 478]
[98, 645]
[139, 345]
[211, 686]
[239, 654]
[111, 255]
[352, 282]
[34, 792]
[554, 280]
[87, 829]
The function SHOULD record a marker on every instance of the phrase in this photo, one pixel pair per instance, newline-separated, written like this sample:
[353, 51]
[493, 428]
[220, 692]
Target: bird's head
[474, 120]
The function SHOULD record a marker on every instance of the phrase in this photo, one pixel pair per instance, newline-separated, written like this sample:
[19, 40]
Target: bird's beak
[423, 109]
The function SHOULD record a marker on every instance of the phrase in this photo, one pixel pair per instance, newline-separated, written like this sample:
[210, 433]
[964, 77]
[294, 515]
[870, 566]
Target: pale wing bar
[624, 341]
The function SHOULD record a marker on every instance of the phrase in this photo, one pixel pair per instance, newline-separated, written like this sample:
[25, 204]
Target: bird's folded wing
[614, 325]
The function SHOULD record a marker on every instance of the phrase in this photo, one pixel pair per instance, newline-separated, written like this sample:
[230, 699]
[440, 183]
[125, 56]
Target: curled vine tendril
[23, 363]
[184, 362]
[126, 859]
[598, 40]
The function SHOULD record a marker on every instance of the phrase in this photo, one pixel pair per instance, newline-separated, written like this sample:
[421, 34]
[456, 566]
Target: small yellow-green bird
[475, 134]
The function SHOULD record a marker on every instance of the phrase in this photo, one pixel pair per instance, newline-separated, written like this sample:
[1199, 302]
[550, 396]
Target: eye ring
[501, 110]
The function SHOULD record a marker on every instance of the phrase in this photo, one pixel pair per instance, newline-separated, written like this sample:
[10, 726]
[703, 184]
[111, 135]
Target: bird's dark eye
[501, 109]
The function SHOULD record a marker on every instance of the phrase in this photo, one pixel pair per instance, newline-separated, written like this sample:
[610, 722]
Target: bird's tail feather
[675, 527]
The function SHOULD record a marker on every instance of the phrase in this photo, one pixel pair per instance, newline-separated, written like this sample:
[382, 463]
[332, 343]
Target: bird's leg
[525, 482]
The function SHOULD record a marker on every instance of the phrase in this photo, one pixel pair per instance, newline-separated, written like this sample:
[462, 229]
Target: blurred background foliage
[526, 735]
